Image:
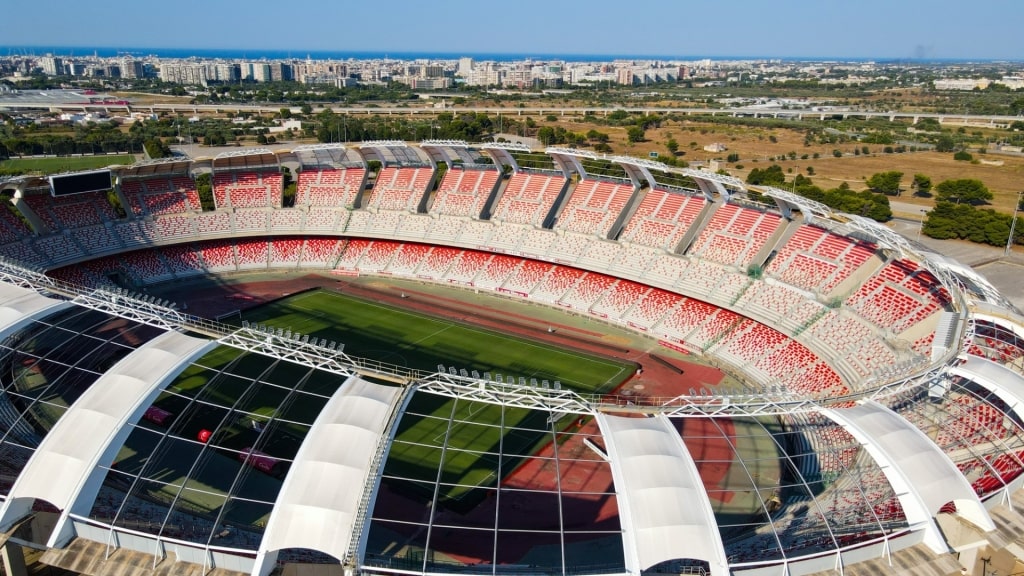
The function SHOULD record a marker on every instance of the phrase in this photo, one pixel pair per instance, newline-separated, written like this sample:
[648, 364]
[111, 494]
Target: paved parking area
[1006, 274]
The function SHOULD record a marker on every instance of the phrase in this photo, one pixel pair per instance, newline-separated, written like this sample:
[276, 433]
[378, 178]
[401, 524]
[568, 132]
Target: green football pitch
[386, 334]
[64, 163]
[375, 331]
[454, 441]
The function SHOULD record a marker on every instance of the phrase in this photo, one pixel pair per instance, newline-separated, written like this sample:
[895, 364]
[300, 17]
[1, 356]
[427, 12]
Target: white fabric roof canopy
[663, 508]
[18, 305]
[1000, 380]
[319, 500]
[921, 475]
[95, 426]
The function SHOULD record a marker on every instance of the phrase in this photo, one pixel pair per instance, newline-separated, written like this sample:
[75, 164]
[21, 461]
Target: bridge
[428, 110]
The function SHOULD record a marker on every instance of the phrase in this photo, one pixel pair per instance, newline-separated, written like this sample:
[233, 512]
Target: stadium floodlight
[140, 308]
[571, 152]
[644, 163]
[805, 204]
[723, 179]
[315, 147]
[383, 144]
[445, 143]
[509, 146]
[243, 153]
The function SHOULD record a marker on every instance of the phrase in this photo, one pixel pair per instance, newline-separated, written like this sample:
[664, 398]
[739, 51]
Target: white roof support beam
[1006, 384]
[66, 468]
[325, 494]
[663, 508]
[922, 476]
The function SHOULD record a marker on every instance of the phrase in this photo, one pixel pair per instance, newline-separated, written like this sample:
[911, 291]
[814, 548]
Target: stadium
[491, 360]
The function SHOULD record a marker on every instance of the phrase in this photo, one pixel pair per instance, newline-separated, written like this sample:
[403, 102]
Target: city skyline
[935, 30]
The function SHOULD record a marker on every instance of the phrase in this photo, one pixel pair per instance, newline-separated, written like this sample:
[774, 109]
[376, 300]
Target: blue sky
[979, 29]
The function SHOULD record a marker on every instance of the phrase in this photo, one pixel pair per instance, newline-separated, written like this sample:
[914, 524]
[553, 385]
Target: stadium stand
[155, 196]
[218, 255]
[662, 218]
[414, 226]
[475, 234]
[353, 252]
[466, 267]
[145, 266]
[12, 227]
[216, 223]
[136, 232]
[528, 197]
[400, 188]
[734, 235]
[334, 188]
[408, 258]
[496, 271]
[994, 342]
[182, 260]
[57, 247]
[247, 189]
[556, 284]
[593, 206]
[587, 291]
[97, 239]
[779, 305]
[251, 220]
[464, 192]
[378, 255]
[526, 277]
[286, 221]
[899, 296]
[536, 242]
[323, 219]
[818, 260]
[252, 254]
[787, 332]
[285, 252]
[667, 269]
[72, 211]
[571, 246]
[437, 263]
[179, 226]
[622, 296]
[322, 251]
[652, 308]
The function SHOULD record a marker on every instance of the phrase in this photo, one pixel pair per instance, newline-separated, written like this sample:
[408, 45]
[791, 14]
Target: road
[429, 109]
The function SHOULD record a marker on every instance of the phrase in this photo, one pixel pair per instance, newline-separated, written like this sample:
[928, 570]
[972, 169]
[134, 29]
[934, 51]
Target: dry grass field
[754, 147]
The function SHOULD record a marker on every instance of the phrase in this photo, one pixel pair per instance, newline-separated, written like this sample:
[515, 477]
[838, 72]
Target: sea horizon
[299, 54]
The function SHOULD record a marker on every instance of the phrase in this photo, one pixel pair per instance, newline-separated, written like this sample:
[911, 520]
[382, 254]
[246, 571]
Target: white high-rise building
[52, 66]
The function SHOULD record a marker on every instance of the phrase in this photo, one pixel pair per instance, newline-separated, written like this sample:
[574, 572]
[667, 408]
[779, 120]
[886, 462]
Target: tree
[886, 182]
[286, 113]
[962, 156]
[770, 176]
[306, 109]
[672, 146]
[948, 220]
[966, 190]
[155, 148]
[922, 185]
[635, 134]
[945, 143]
